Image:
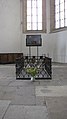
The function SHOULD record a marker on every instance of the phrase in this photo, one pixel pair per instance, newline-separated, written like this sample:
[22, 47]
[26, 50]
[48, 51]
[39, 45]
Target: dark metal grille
[42, 63]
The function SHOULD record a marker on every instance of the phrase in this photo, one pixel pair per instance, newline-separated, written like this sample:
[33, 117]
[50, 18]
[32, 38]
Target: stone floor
[42, 99]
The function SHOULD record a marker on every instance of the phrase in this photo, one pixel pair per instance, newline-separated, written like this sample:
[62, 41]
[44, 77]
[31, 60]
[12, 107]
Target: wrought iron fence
[42, 63]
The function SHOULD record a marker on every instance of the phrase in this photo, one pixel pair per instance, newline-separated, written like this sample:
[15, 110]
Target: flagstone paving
[42, 99]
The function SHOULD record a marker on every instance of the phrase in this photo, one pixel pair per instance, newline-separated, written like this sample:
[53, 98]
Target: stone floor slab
[30, 99]
[36, 112]
[4, 104]
[51, 91]
[15, 112]
[18, 95]
[26, 112]
[57, 107]
[40, 100]
[23, 100]
[25, 83]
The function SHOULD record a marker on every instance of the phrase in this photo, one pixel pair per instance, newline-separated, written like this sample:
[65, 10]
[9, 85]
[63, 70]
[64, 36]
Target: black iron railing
[42, 63]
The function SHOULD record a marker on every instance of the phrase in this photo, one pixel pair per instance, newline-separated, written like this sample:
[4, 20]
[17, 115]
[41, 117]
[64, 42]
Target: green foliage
[32, 71]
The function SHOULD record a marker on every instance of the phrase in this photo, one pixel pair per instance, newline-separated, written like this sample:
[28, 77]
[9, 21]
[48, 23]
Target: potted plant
[32, 71]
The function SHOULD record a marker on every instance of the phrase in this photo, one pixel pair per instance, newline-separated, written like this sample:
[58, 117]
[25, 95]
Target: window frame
[52, 19]
[25, 18]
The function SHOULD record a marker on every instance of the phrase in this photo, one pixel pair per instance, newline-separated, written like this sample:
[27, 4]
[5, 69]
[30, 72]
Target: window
[34, 15]
[59, 14]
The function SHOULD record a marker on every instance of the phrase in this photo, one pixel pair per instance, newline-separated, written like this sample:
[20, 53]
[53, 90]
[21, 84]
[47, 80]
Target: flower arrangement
[32, 71]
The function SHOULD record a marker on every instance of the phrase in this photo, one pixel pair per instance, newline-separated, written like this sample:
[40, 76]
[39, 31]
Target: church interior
[33, 43]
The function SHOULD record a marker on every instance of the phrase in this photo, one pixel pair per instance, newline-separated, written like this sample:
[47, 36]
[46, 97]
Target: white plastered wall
[12, 39]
